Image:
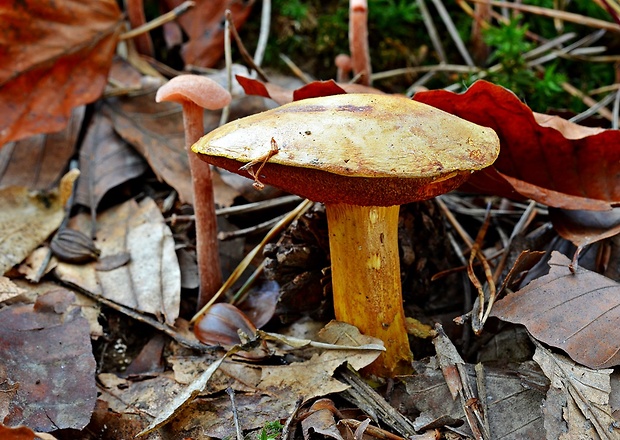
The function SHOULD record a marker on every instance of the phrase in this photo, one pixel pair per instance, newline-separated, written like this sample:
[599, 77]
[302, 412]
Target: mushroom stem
[358, 40]
[209, 268]
[366, 279]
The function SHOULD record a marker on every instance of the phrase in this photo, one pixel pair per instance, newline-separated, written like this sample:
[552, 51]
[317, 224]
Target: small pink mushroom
[343, 65]
[196, 93]
[358, 40]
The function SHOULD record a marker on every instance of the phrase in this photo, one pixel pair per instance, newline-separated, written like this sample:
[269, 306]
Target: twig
[423, 69]
[162, 19]
[454, 33]
[242, 50]
[228, 60]
[303, 207]
[260, 227]
[553, 13]
[296, 70]
[192, 344]
[287, 425]
[432, 31]
[263, 35]
[231, 394]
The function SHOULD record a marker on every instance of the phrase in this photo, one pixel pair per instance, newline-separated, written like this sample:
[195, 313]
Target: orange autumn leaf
[560, 164]
[55, 56]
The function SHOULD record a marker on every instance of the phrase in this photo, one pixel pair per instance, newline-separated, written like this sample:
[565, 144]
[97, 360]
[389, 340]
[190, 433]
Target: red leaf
[565, 170]
[55, 56]
[318, 88]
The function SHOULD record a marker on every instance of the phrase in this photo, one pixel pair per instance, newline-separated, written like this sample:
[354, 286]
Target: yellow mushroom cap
[362, 149]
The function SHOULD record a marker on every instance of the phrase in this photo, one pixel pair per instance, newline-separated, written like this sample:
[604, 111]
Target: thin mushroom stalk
[361, 155]
[196, 93]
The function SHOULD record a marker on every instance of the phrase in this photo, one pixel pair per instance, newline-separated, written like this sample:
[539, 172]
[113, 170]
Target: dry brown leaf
[578, 395]
[577, 312]
[321, 422]
[38, 162]
[203, 26]
[156, 131]
[585, 227]
[276, 388]
[26, 220]
[105, 162]
[513, 406]
[151, 281]
[47, 359]
[8, 289]
[55, 57]
[19, 433]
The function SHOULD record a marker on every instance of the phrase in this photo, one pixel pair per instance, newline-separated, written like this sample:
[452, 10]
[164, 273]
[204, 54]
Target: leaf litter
[137, 278]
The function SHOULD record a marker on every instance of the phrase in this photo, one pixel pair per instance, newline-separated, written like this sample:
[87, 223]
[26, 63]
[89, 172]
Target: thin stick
[263, 35]
[228, 59]
[231, 394]
[162, 19]
[432, 31]
[296, 70]
[301, 208]
[454, 33]
[552, 13]
[242, 50]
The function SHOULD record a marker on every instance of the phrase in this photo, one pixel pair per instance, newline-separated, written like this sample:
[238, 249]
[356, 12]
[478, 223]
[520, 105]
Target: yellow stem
[366, 279]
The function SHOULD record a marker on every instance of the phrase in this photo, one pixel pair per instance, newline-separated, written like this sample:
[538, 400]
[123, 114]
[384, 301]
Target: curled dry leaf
[576, 312]
[41, 42]
[585, 227]
[220, 325]
[558, 163]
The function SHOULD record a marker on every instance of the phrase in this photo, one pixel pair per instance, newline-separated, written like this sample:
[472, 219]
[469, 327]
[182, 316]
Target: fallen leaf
[275, 388]
[203, 25]
[55, 58]
[47, 356]
[579, 170]
[580, 395]
[105, 162]
[156, 131]
[576, 312]
[8, 289]
[151, 281]
[321, 422]
[38, 162]
[513, 407]
[585, 227]
[18, 433]
[26, 220]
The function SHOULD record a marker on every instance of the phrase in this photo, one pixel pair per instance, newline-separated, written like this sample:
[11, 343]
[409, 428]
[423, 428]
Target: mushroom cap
[362, 149]
[200, 90]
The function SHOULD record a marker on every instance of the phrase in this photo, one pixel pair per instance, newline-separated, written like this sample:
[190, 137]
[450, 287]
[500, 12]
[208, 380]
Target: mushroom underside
[322, 186]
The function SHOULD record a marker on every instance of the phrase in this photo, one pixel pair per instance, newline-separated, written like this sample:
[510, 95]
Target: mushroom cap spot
[388, 149]
[200, 90]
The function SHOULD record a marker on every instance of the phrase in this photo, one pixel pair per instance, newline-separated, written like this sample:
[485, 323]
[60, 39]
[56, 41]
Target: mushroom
[196, 93]
[362, 155]
[358, 40]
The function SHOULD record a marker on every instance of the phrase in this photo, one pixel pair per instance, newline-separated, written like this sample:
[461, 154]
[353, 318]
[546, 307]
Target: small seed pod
[72, 246]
